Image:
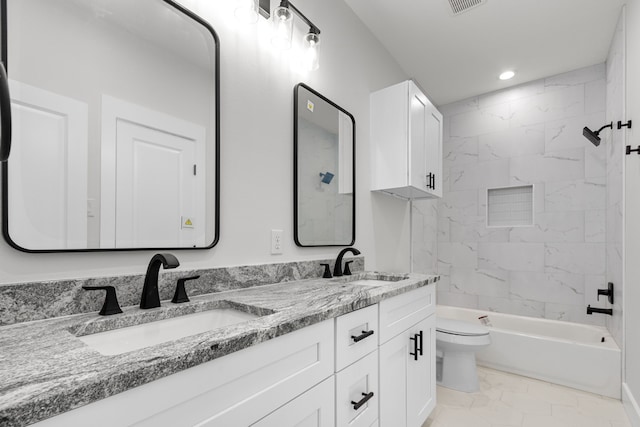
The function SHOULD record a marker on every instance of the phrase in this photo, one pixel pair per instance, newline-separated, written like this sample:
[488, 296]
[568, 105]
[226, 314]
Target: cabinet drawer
[356, 335]
[354, 384]
[315, 408]
[401, 312]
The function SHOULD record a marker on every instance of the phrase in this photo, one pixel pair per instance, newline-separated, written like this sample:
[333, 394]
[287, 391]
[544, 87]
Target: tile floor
[507, 400]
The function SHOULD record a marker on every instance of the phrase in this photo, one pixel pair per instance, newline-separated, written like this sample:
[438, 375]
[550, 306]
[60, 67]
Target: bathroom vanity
[356, 351]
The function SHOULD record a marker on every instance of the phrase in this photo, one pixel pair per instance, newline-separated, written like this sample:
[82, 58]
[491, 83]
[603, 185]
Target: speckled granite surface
[24, 302]
[46, 370]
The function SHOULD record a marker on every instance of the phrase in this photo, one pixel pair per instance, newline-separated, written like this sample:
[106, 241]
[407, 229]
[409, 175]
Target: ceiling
[458, 56]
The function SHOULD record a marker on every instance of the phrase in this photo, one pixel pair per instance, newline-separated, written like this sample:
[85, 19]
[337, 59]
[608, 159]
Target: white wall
[632, 213]
[526, 135]
[257, 150]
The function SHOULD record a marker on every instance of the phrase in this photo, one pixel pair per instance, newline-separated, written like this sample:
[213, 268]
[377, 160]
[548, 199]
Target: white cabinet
[407, 359]
[406, 141]
[315, 408]
[235, 390]
[355, 370]
[357, 393]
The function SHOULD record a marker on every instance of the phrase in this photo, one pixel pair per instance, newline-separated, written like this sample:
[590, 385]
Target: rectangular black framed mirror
[324, 171]
[115, 116]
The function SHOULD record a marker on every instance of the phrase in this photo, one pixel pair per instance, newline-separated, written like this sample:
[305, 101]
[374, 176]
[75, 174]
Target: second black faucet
[150, 295]
[337, 268]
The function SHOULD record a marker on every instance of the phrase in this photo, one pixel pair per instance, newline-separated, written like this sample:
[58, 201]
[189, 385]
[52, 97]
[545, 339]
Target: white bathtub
[569, 354]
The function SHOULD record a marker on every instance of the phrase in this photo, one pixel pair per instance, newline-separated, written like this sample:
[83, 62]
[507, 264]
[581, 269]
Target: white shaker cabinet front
[406, 137]
[315, 408]
[407, 360]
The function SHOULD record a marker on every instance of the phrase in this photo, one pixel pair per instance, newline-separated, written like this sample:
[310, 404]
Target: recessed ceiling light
[507, 75]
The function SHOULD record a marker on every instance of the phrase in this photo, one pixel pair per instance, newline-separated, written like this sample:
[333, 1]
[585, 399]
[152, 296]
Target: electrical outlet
[276, 241]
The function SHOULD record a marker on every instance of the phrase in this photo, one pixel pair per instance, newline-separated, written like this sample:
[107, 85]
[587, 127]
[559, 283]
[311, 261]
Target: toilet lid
[459, 327]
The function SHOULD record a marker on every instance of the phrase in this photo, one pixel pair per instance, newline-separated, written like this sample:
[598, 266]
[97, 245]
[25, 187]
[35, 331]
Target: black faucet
[591, 310]
[337, 268]
[150, 296]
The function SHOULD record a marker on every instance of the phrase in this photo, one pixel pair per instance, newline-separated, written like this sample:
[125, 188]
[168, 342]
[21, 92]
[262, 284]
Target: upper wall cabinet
[115, 109]
[406, 139]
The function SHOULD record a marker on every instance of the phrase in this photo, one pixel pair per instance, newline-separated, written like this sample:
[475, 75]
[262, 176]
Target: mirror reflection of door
[152, 190]
[47, 200]
[154, 55]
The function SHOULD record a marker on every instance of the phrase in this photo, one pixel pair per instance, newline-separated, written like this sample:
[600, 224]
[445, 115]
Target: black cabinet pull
[414, 338]
[417, 345]
[365, 399]
[110, 305]
[5, 116]
[433, 181]
[361, 337]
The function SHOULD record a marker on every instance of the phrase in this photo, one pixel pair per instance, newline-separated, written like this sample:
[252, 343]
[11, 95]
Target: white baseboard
[631, 406]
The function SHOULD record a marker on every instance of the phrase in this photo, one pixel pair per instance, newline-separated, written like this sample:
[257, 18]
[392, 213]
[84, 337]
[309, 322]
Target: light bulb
[282, 27]
[246, 11]
[507, 75]
[312, 51]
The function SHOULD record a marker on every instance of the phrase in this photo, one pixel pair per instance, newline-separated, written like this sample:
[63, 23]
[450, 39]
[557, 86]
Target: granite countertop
[46, 370]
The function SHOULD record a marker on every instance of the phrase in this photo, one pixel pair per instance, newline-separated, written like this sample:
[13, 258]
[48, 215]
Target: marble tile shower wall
[614, 144]
[529, 134]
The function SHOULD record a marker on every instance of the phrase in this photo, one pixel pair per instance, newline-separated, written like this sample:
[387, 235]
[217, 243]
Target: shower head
[326, 177]
[594, 137]
[591, 136]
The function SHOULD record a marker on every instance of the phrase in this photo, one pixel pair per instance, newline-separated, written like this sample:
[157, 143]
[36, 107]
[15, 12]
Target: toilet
[456, 344]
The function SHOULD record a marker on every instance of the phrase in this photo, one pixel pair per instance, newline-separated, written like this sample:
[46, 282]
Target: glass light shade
[282, 27]
[246, 11]
[312, 51]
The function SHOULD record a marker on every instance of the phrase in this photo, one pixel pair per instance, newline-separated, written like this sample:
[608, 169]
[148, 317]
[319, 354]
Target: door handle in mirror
[5, 115]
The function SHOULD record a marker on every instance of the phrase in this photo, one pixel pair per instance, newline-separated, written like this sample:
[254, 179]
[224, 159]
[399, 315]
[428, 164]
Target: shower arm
[610, 125]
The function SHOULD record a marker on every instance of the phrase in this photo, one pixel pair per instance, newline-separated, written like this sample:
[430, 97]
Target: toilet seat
[460, 328]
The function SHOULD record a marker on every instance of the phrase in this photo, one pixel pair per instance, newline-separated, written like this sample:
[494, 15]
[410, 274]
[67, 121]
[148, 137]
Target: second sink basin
[375, 279]
[144, 335]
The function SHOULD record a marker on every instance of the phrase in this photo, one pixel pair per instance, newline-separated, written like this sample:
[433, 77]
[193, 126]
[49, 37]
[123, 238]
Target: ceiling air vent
[460, 6]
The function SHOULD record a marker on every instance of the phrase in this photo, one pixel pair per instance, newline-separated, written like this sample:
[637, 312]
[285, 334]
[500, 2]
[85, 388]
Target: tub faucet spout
[591, 310]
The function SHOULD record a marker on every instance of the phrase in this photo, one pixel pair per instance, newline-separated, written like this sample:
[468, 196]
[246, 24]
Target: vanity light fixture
[283, 31]
[507, 75]
[246, 11]
[282, 21]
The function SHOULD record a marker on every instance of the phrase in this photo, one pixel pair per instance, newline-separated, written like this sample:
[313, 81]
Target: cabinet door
[421, 389]
[433, 149]
[394, 361]
[357, 393]
[407, 383]
[418, 113]
[315, 408]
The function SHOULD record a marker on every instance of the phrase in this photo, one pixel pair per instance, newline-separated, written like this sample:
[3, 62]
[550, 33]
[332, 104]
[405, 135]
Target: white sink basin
[369, 282]
[136, 337]
[376, 279]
